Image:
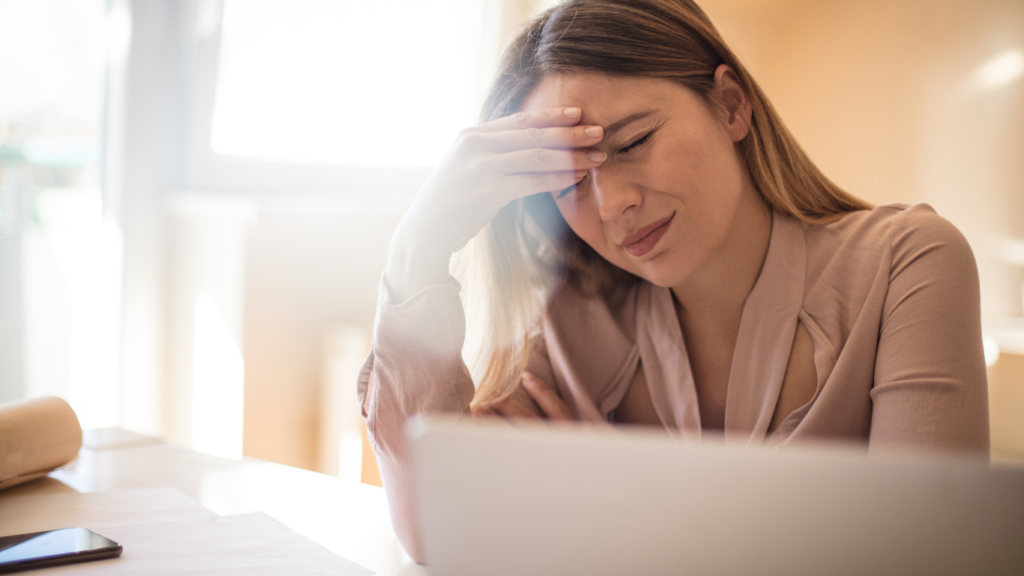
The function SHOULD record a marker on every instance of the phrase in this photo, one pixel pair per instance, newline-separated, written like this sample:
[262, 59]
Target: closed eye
[637, 143]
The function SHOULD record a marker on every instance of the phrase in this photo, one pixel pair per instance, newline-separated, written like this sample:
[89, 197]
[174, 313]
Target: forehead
[604, 98]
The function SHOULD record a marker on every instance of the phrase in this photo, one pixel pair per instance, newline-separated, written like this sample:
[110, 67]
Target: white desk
[348, 518]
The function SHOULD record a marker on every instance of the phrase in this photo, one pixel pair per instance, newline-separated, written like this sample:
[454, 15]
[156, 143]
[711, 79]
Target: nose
[613, 192]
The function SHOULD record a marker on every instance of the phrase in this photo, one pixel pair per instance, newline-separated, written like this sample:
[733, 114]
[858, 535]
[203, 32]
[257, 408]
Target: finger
[557, 138]
[535, 118]
[510, 408]
[545, 160]
[546, 398]
[521, 185]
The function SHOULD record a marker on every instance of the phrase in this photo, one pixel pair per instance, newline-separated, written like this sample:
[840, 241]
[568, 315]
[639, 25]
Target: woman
[657, 249]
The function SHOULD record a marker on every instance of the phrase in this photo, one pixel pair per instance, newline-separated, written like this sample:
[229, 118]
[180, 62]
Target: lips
[645, 239]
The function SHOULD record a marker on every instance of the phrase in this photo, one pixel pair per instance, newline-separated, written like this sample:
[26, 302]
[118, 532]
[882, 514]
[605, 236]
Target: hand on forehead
[604, 99]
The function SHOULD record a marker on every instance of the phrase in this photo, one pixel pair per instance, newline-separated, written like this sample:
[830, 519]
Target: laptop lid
[544, 499]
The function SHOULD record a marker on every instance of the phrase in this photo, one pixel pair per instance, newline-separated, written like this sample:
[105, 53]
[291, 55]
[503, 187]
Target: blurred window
[347, 82]
[59, 252]
[51, 71]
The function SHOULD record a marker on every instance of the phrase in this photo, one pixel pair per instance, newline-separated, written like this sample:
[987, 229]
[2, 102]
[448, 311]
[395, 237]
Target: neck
[719, 287]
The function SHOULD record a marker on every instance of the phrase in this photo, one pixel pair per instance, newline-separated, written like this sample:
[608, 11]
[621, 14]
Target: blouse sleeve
[415, 366]
[930, 388]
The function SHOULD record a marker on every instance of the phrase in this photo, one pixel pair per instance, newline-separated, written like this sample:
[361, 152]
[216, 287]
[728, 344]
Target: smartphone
[54, 548]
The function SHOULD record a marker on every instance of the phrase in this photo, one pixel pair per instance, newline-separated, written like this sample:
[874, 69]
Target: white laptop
[539, 499]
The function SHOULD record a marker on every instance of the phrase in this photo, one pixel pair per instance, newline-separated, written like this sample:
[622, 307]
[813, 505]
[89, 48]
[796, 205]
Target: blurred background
[196, 196]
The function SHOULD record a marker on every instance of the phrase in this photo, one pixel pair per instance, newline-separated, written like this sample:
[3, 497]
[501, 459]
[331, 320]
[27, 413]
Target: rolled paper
[37, 436]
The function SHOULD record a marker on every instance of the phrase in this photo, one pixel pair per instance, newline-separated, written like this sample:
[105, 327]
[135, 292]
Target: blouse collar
[763, 344]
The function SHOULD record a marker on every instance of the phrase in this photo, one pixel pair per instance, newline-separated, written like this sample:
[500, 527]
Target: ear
[733, 102]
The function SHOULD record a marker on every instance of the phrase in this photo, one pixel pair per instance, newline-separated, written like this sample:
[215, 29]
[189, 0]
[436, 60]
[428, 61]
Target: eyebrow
[620, 124]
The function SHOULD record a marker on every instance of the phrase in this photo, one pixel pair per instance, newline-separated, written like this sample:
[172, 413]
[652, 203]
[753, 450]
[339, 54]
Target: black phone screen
[52, 548]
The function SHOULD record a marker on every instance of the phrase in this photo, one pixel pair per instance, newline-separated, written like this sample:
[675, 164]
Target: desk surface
[348, 518]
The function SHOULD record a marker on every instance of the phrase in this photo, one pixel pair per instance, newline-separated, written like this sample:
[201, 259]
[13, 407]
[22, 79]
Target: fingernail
[580, 173]
[593, 131]
[596, 156]
[572, 112]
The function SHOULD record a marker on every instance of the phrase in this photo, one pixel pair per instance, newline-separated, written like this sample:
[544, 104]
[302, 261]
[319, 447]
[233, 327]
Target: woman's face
[666, 199]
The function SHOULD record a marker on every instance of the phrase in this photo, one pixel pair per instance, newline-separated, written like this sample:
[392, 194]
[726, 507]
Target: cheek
[704, 171]
[583, 218]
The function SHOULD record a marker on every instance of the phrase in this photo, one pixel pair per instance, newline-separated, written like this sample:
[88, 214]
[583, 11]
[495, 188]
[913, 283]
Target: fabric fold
[766, 333]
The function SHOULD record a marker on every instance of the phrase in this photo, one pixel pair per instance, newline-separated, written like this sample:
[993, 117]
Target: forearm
[416, 260]
[415, 366]
[416, 356]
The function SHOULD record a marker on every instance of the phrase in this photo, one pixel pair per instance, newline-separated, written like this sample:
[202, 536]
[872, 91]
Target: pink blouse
[889, 296]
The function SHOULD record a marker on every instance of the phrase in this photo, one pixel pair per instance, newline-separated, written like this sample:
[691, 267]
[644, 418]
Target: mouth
[645, 239]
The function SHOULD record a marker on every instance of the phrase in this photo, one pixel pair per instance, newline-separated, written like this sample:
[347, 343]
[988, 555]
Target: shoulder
[898, 222]
[865, 251]
[901, 233]
[918, 235]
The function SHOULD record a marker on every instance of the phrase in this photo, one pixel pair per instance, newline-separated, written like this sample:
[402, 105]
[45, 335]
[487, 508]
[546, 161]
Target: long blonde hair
[511, 267]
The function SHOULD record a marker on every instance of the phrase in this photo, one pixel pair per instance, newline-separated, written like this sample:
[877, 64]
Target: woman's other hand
[488, 166]
[550, 403]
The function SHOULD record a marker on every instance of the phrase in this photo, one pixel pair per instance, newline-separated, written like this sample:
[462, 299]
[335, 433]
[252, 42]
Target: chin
[663, 281]
[662, 272]
[659, 276]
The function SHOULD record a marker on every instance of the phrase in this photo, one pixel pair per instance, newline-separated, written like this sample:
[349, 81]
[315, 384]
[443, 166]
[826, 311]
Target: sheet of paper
[250, 545]
[165, 532]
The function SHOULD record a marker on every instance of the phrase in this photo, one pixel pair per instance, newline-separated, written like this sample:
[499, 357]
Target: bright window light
[999, 71]
[218, 383]
[992, 351]
[348, 82]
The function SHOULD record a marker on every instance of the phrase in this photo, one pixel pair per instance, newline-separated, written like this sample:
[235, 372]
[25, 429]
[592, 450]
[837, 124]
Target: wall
[311, 265]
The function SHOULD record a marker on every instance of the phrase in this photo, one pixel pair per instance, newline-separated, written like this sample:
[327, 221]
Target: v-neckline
[763, 344]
